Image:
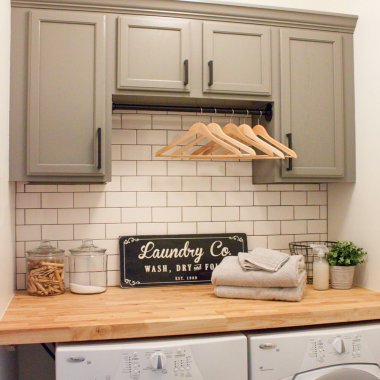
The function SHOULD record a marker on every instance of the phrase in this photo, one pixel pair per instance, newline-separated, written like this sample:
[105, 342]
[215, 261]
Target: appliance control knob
[338, 345]
[158, 360]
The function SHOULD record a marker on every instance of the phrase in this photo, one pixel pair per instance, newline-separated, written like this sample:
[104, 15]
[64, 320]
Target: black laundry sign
[174, 259]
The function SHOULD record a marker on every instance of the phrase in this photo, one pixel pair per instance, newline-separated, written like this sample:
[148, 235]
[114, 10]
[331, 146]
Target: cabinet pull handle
[186, 66]
[210, 73]
[99, 133]
[290, 145]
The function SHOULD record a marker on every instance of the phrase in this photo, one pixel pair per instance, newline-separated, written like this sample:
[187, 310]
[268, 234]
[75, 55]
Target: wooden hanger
[197, 129]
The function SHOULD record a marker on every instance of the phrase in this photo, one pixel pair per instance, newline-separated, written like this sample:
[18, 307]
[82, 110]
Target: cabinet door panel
[312, 101]
[240, 56]
[152, 53]
[66, 93]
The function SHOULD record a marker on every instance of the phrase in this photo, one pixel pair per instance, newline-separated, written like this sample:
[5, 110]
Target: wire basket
[303, 248]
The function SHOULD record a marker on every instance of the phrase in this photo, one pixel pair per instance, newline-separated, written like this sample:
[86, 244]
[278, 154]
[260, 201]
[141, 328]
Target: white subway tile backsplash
[196, 183]
[90, 199]
[158, 196]
[58, 200]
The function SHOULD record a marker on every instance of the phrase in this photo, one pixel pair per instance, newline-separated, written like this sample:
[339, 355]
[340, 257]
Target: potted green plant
[343, 258]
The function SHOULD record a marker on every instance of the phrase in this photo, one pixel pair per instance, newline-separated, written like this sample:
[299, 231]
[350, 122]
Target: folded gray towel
[230, 273]
[263, 259]
[275, 294]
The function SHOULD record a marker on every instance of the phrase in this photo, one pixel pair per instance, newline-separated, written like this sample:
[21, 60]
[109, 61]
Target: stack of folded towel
[262, 274]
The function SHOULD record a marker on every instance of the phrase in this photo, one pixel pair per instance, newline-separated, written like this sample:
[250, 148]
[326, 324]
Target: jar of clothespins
[45, 270]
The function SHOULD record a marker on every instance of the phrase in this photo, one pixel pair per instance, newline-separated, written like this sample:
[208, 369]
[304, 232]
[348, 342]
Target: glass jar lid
[87, 248]
[45, 249]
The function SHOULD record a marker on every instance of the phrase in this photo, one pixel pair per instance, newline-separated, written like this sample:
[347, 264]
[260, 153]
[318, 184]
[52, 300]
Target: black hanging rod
[267, 112]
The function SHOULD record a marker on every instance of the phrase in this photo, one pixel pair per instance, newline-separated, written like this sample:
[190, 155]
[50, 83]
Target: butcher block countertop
[172, 310]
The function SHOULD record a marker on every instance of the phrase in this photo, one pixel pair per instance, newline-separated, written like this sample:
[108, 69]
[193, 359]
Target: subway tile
[211, 227]
[136, 183]
[116, 121]
[73, 216]
[306, 237]
[105, 215]
[225, 214]
[247, 185]
[239, 169]
[306, 212]
[240, 227]
[306, 187]
[136, 152]
[20, 281]
[114, 185]
[211, 198]
[225, 183]
[182, 228]
[267, 228]
[182, 168]
[151, 137]
[124, 168]
[196, 183]
[210, 168]
[41, 216]
[57, 232]
[323, 212]
[281, 187]
[113, 278]
[254, 213]
[167, 122]
[188, 121]
[120, 199]
[113, 262]
[73, 188]
[92, 199]
[317, 198]
[293, 198]
[166, 183]
[151, 168]
[317, 226]
[111, 245]
[136, 214]
[196, 214]
[293, 227]
[20, 217]
[239, 198]
[166, 214]
[257, 242]
[175, 135]
[136, 121]
[20, 187]
[182, 199]
[20, 265]
[27, 200]
[280, 213]
[266, 199]
[151, 199]
[152, 229]
[89, 231]
[20, 249]
[323, 187]
[25, 233]
[116, 152]
[57, 200]
[113, 231]
[34, 188]
[123, 136]
[280, 242]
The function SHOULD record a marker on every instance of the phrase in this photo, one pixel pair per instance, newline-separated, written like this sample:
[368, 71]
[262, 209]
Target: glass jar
[45, 270]
[88, 269]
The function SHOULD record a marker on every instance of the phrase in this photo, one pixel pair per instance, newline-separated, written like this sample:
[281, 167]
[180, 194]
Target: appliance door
[365, 371]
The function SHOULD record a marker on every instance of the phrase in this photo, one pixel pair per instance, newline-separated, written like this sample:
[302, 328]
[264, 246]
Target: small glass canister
[88, 269]
[45, 270]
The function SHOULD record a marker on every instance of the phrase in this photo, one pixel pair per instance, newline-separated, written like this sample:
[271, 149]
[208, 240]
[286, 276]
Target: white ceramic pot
[342, 277]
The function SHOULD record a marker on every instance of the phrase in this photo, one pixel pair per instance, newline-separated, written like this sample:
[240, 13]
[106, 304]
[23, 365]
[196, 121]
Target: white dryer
[214, 357]
[341, 353]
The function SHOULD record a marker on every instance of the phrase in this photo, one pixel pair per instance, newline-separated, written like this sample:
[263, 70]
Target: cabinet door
[312, 101]
[66, 94]
[153, 53]
[236, 58]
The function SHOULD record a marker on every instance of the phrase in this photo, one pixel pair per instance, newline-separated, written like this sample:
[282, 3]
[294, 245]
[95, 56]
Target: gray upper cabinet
[312, 101]
[153, 53]
[66, 94]
[236, 58]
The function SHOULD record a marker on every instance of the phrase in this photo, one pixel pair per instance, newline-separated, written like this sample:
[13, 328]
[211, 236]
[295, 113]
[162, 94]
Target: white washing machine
[219, 357]
[341, 353]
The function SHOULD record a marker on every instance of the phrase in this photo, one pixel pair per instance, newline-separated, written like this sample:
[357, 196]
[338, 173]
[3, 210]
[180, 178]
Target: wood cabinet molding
[199, 10]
